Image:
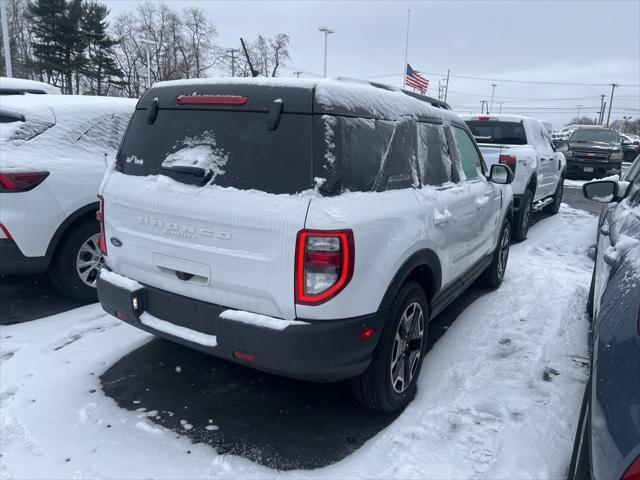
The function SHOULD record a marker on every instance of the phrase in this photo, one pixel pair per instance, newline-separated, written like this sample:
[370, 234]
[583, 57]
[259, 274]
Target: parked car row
[608, 437]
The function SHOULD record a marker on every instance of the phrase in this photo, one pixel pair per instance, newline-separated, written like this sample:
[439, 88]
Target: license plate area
[182, 311]
[588, 169]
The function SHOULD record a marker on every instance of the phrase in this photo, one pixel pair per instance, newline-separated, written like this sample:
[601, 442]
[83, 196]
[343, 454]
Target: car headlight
[617, 155]
[568, 154]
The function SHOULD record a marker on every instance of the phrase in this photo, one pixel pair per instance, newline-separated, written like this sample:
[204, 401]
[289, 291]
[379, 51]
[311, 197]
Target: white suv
[305, 228]
[54, 153]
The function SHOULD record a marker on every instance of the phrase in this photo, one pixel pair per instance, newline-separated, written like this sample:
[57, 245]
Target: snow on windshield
[200, 151]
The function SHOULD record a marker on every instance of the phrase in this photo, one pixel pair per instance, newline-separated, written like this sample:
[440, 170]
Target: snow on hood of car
[24, 84]
[63, 130]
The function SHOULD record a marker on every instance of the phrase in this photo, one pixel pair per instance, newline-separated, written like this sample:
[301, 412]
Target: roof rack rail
[432, 101]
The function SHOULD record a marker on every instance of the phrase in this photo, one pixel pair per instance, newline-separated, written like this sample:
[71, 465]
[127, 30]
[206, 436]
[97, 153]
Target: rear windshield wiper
[189, 174]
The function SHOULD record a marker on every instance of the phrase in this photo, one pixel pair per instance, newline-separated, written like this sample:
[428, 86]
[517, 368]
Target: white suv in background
[55, 149]
[307, 228]
[524, 144]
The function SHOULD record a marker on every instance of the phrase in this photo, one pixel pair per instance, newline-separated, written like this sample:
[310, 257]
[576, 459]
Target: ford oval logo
[116, 242]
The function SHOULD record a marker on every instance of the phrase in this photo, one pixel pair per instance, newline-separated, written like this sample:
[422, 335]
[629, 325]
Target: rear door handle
[441, 218]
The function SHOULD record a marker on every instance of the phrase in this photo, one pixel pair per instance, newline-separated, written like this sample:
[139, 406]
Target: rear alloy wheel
[554, 206]
[494, 274]
[389, 383]
[523, 217]
[77, 262]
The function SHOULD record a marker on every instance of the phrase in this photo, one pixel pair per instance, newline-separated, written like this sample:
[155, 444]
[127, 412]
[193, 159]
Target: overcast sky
[584, 42]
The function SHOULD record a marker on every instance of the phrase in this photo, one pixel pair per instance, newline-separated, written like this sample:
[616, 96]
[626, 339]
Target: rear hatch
[495, 136]
[211, 186]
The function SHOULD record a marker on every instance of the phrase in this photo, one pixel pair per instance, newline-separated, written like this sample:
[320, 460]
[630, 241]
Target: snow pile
[72, 131]
[262, 321]
[200, 151]
[499, 393]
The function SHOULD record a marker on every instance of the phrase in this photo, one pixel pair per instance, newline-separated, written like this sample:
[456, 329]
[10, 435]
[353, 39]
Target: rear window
[236, 148]
[491, 131]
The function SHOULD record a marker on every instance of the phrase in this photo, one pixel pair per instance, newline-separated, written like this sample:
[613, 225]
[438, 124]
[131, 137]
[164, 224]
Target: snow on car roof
[7, 83]
[62, 128]
[332, 95]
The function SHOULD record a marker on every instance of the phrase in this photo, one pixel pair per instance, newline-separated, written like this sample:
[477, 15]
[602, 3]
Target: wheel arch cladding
[423, 267]
[81, 215]
[532, 183]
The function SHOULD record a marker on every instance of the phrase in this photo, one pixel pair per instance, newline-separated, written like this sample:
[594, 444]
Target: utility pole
[500, 105]
[446, 88]
[493, 91]
[579, 107]
[601, 112]
[5, 38]
[297, 74]
[613, 87]
[326, 31]
[484, 103]
[232, 52]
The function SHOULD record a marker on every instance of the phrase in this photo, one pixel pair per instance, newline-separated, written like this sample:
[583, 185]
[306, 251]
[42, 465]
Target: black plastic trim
[14, 262]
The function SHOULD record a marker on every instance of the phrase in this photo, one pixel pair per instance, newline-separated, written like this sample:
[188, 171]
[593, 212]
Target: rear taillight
[21, 182]
[510, 161]
[222, 100]
[633, 472]
[100, 217]
[484, 119]
[6, 232]
[324, 264]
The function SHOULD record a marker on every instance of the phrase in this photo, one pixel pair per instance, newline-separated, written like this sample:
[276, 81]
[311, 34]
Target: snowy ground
[498, 396]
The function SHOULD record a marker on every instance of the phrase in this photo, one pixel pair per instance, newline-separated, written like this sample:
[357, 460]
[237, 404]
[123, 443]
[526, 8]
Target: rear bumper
[598, 169]
[318, 351]
[14, 262]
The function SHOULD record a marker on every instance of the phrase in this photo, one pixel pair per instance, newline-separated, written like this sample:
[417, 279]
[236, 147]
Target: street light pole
[5, 38]
[326, 31]
[579, 107]
[626, 121]
[493, 91]
[500, 105]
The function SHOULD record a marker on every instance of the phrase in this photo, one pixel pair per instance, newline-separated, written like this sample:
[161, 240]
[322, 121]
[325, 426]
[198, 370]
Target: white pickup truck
[523, 144]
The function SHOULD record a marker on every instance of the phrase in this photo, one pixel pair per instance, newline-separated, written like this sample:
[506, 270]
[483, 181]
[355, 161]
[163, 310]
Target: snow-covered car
[308, 228]
[524, 144]
[21, 86]
[630, 146]
[607, 442]
[55, 149]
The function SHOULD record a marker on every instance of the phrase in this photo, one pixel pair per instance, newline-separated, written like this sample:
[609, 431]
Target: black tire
[63, 270]
[494, 274]
[579, 466]
[522, 220]
[590, 298]
[554, 206]
[375, 388]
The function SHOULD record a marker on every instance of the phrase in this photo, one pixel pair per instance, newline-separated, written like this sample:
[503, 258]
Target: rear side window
[434, 160]
[468, 155]
[363, 155]
[237, 148]
[491, 131]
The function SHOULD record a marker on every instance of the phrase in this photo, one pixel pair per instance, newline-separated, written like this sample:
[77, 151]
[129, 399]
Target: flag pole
[406, 51]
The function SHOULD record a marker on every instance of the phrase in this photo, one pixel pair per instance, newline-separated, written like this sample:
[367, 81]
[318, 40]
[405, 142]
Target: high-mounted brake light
[510, 161]
[228, 100]
[21, 182]
[484, 119]
[324, 264]
[102, 242]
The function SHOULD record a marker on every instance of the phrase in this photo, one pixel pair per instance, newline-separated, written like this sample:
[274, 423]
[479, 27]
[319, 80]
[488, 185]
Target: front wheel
[494, 274]
[389, 383]
[523, 217]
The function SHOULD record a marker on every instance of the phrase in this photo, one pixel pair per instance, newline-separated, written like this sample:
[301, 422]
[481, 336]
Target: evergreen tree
[46, 17]
[101, 67]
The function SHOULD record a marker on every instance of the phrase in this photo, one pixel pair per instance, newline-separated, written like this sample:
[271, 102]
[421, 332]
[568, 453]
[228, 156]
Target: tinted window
[362, 155]
[594, 135]
[467, 153]
[486, 131]
[434, 161]
[237, 148]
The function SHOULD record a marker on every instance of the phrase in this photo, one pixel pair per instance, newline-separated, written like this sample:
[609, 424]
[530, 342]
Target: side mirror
[501, 174]
[603, 191]
[626, 142]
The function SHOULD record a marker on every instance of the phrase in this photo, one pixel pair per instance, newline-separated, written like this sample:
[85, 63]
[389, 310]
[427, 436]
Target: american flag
[416, 81]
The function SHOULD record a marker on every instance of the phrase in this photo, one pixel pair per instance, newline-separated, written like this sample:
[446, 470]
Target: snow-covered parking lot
[499, 392]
